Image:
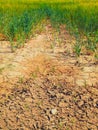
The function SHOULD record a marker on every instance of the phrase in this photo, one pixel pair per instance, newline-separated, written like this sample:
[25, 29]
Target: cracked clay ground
[43, 86]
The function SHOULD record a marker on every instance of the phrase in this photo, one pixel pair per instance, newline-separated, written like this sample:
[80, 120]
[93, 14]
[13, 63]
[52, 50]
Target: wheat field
[18, 18]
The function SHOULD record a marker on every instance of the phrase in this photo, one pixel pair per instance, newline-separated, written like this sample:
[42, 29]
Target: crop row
[19, 18]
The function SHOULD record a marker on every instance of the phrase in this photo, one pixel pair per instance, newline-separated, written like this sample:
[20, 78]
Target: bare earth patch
[43, 86]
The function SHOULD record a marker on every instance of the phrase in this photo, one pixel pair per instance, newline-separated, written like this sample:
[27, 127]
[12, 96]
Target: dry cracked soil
[44, 86]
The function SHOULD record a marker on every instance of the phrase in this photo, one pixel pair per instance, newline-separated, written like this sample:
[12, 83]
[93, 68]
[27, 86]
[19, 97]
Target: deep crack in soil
[45, 87]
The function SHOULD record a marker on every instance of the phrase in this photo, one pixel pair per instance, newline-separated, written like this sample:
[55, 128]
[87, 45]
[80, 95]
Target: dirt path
[43, 86]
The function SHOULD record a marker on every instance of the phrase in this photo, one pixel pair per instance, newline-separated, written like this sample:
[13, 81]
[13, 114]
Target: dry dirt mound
[43, 86]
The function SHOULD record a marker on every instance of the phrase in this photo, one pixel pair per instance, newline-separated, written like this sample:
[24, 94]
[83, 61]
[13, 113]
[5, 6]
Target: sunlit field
[48, 64]
[19, 18]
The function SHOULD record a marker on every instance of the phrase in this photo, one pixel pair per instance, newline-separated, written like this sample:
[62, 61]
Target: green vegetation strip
[18, 18]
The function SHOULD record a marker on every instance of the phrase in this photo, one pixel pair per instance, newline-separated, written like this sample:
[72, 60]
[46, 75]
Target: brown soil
[44, 86]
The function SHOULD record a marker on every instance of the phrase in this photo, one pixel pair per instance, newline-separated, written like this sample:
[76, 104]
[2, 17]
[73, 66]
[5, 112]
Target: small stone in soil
[54, 111]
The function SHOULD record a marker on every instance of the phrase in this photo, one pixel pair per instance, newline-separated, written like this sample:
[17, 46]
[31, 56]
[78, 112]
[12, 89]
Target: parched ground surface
[43, 86]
